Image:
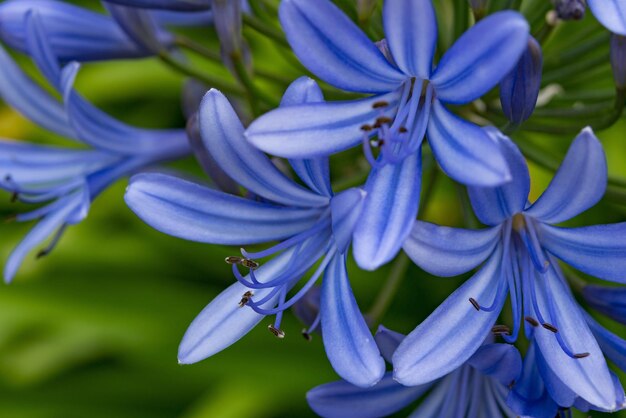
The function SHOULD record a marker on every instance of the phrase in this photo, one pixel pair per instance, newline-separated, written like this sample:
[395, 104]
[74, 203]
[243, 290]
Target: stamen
[403, 130]
[233, 259]
[532, 321]
[245, 299]
[383, 120]
[53, 243]
[501, 329]
[251, 264]
[366, 128]
[550, 327]
[14, 197]
[474, 304]
[380, 104]
[306, 335]
[581, 355]
[278, 333]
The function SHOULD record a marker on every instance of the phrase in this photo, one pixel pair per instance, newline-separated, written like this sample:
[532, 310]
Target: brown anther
[380, 104]
[278, 333]
[245, 299]
[41, 253]
[251, 264]
[403, 130]
[366, 128]
[581, 355]
[233, 259]
[474, 304]
[519, 222]
[306, 335]
[380, 143]
[550, 327]
[532, 321]
[14, 197]
[376, 125]
[383, 120]
[501, 329]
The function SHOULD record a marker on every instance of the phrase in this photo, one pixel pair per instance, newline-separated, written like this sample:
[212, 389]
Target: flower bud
[520, 88]
[570, 9]
[228, 20]
[618, 60]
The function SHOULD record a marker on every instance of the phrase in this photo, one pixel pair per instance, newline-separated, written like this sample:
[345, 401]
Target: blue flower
[478, 388]
[611, 14]
[180, 5]
[311, 224]
[79, 34]
[521, 249]
[66, 179]
[408, 102]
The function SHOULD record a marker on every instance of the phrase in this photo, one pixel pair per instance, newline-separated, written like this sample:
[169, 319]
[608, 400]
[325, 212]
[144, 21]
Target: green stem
[267, 30]
[182, 41]
[390, 289]
[242, 74]
[189, 71]
[469, 219]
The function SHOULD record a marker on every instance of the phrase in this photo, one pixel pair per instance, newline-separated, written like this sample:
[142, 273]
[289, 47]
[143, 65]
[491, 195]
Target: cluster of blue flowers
[404, 108]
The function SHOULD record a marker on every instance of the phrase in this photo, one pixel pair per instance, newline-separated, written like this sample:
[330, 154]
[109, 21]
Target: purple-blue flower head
[66, 180]
[478, 388]
[409, 101]
[520, 252]
[311, 224]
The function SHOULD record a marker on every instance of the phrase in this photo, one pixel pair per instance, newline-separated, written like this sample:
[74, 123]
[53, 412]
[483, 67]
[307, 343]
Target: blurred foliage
[92, 330]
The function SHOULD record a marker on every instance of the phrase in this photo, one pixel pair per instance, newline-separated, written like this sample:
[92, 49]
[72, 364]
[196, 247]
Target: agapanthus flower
[76, 33]
[409, 100]
[611, 14]
[66, 180]
[520, 252]
[311, 224]
[478, 388]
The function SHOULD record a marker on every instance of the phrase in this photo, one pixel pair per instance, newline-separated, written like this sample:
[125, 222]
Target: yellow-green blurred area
[92, 329]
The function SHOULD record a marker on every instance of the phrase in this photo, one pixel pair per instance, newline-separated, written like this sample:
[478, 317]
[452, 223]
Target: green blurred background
[92, 329]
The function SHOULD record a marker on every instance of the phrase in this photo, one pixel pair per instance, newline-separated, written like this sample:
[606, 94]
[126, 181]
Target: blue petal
[598, 250]
[387, 341]
[39, 48]
[166, 17]
[389, 211]
[501, 362]
[75, 33]
[411, 29]
[343, 400]
[345, 209]
[558, 390]
[197, 213]
[587, 377]
[444, 251]
[100, 130]
[181, 5]
[610, 13]
[21, 93]
[222, 134]
[349, 344]
[579, 183]
[333, 48]
[140, 26]
[42, 230]
[481, 57]
[529, 396]
[317, 129]
[453, 332]
[613, 347]
[223, 322]
[494, 205]
[465, 152]
[314, 172]
[611, 301]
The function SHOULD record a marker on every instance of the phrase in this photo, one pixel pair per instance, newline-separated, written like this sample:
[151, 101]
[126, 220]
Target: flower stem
[389, 290]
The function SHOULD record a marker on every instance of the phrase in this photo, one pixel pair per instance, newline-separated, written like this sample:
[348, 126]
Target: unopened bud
[520, 88]
[618, 60]
[570, 9]
[228, 19]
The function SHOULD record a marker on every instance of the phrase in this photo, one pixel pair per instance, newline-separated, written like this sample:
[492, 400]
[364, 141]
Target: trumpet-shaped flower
[521, 249]
[310, 223]
[67, 179]
[478, 388]
[409, 100]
